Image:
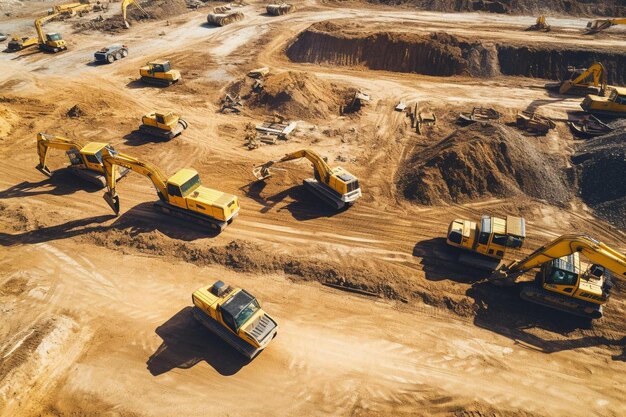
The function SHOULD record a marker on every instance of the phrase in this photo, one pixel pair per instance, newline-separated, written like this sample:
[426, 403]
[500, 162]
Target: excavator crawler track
[158, 81]
[327, 195]
[242, 347]
[164, 134]
[534, 294]
[205, 221]
[96, 178]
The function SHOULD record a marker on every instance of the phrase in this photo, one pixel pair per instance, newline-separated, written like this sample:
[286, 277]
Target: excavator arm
[159, 180]
[595, 26]
[321, 168]
[125, 4]
[39, 26]
[597, 252]
[45, 142]
[596, 70]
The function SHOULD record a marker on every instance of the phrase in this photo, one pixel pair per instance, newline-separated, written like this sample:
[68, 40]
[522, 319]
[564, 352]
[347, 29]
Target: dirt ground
[96, 308]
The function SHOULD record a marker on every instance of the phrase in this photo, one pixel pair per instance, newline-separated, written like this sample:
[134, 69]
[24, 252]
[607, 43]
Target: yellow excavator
[540, 25]
[125, 4]
[235, 316]
[565, 282]
[163, 125]
[159, 72]
[71, 9]
[484, 244]
[49, 42]
[335, 186]
[85, 161]
[585, 81]
[613, 105]
[180, 195]
[595, 26]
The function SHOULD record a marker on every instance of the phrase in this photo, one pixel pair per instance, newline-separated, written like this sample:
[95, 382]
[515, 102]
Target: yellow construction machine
[125, 4]
[484, 244]
[565, 282]
[585, 81]
[49, 42]
[17, 43]
[613, 105]
[335, 186]
[540, 25]
[595, 26]
[71, 9]
[85, 161]
[159, 72]
[181, 195]
[235, 316]
[163, 125]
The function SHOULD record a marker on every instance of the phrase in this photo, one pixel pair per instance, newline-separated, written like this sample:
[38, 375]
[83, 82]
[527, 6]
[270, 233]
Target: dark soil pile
[528, 7]
[481, 161]
[344, 43]
[75, 112]
[297, 95]
[602, 174]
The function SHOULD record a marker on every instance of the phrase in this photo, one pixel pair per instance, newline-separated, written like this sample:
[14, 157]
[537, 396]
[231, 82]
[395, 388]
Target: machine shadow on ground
[137, 84]
[503, 311]
[138, 138]
[62, 182]
[304, 206]
[440, 262]
[187, 343]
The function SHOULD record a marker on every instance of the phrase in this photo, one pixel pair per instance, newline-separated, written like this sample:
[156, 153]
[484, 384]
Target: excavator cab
[159, 72]
[164, 125]
[486, 242]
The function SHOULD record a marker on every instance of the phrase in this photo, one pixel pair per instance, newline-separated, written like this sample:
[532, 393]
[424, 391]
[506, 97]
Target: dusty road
[95, 308]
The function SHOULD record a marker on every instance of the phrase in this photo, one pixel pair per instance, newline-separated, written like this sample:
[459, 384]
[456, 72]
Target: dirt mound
[345, 43]
[293, 94]
[602, 169]
[480, 161]
[529, 7]
[75, 112]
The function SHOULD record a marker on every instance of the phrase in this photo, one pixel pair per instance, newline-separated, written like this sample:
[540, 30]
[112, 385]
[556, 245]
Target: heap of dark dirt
[75, 112]
[296, 95]
[480, 161]
[344, 43]
[602, 174]
[527, 7]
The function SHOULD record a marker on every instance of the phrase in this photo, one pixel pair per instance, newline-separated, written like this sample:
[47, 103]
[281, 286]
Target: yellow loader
[163, 125]
[159, 73]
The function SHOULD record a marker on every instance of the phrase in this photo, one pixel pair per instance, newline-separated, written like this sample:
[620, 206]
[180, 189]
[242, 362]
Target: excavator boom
[125, 4]
[263, 171]
[597, 71]
[599, 25]
[45, 142]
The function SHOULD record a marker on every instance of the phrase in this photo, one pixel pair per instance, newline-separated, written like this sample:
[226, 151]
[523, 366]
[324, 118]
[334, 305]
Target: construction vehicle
[235, 316]
[595, 26]
[85, 161]
[583, 81]
[71, 9]
[163, 125]
[180, 195]
[111, 54]
[484, 244]
[17, 43]
[159, 72]
[223, 15]
[565, 282]
[614, 105]
[125, 4]
[49, 42]
[335, 186]
[280, 9]
[540, 25]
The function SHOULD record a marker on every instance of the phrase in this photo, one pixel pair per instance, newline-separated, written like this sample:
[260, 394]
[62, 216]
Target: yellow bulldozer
[565, 281]
[159, 73]
[612, 105]
[235, 316]
[483, 245]
[85, 161]
[180, 195]
[335, 186]
[163, 125]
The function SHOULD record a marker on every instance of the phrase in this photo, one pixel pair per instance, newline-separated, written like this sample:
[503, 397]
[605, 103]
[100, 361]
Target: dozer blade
[44, 170]
[113, 202]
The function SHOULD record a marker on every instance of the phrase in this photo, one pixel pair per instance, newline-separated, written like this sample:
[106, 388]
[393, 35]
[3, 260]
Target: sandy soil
[95, 308]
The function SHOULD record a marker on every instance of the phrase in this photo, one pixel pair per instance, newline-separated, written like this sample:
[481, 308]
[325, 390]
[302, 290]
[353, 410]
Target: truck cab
[492, 237]
[184, 191]
[613, 105]
[235, 316]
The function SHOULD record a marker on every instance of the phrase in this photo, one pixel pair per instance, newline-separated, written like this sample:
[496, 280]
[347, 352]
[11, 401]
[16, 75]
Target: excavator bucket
[113, 201]
[44, 170]
[262, 172]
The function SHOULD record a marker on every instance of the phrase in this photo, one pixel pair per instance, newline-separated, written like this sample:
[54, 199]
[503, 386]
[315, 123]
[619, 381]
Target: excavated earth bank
[344, 43]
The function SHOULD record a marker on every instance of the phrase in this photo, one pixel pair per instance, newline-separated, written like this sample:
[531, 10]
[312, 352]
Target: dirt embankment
[602, 173]
[435, 54]
[531, 7]
[482, 161]
[348, 44]
[292, 94]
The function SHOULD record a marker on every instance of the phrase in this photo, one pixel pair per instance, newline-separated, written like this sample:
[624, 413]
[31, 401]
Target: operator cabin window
[500, 239]
[173, 190]
[160, 119]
